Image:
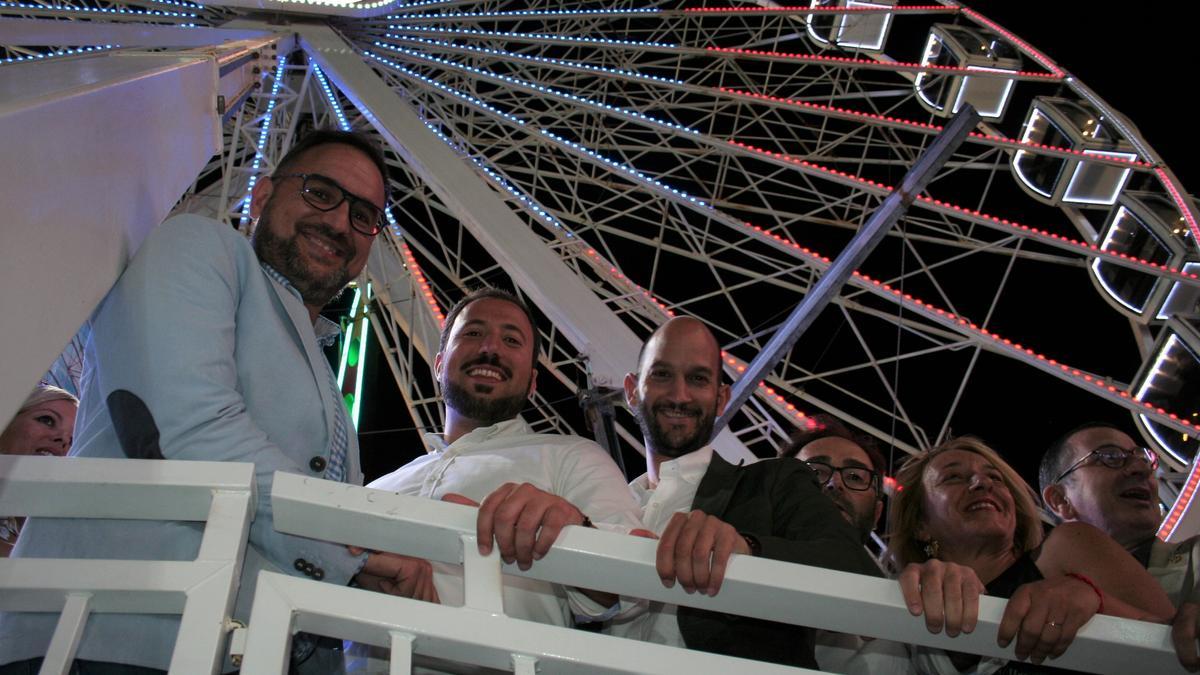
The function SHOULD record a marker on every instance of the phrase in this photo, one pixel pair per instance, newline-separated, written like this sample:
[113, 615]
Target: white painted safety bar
[588, 558]
[220, 494]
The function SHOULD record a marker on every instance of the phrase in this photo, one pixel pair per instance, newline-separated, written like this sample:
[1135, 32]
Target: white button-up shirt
[678, 480]
[571, 467]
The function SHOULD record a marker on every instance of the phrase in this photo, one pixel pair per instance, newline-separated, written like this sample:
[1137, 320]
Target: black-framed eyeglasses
[857, 478]
[1113, 457]
[324, 194]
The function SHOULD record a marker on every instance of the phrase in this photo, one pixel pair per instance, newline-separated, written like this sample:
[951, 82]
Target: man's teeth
[486, 372]
[676, 413]
[982, 505]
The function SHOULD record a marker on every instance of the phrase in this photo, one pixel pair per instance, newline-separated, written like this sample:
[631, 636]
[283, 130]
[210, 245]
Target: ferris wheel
[619, 163]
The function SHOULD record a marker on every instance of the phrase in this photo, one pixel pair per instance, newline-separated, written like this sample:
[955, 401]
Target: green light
[352, 359]
[341, 375]
[362, 350]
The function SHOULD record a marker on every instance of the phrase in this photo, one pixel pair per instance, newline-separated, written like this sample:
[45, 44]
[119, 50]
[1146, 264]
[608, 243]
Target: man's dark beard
[284, 255]
[863, 523]
[485, 411]
[662, 445]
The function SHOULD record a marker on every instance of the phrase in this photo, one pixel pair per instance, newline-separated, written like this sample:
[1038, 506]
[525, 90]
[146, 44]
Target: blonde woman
[962, 512]
[43, 426]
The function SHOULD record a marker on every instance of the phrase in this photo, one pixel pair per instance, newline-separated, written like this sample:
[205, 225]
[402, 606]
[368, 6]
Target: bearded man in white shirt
[530, 485]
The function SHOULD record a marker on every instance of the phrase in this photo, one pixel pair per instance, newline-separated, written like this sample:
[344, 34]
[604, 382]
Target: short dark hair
[355, 139]
[821, 426]
[1058, 455]
[495, 294]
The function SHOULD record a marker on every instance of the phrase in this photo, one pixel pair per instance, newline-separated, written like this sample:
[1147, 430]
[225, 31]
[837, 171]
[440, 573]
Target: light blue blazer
[227, 363]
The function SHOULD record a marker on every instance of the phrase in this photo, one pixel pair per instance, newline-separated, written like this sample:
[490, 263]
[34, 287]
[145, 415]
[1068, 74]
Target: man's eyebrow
[504, 326]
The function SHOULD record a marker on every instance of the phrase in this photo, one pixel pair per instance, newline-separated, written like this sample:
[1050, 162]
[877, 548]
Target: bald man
[707, 509]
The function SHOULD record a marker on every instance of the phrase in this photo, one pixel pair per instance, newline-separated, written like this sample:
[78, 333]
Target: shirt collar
[327, 332]
[689, 468]
[512, 427]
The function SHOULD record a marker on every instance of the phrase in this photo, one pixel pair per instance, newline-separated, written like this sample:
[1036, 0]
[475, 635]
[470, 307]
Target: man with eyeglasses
[849, 468]
[1097, 474]
[706, 509]
[209, 347]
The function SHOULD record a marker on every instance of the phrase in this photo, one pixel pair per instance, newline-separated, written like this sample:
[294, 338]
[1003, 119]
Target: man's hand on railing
[1183, 634]
[396, 574]
[695, 548]
[523, 520]
[1045, 615]
[946, 593]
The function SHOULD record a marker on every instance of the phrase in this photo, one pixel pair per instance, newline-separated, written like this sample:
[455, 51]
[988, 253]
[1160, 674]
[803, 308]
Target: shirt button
[301, 564]
[318, 574]
[317, 464]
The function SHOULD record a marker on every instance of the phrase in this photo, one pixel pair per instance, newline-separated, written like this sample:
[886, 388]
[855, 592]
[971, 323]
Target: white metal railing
[479, 633]
[222, 494]
[201, 591]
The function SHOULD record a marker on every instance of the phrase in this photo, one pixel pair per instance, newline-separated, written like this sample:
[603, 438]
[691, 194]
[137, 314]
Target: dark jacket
[779, 502]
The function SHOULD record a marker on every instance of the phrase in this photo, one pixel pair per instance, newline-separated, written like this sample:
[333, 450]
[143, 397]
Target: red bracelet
[1089, 582]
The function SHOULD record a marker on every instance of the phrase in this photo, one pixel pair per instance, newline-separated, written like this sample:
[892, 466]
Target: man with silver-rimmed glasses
[1097, 474]
[209, 347]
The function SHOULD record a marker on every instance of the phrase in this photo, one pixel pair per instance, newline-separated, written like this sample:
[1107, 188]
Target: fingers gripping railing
[587, 558]
[219, 494]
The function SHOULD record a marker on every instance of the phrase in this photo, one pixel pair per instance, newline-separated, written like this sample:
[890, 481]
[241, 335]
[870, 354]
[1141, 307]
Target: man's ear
[437, 366]
[262, 193]
[878, 511]
[631, 392]
[1055, 498]
[722, 399]
[532, 382]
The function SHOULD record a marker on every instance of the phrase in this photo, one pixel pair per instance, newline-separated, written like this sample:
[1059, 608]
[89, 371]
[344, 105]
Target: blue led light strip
[623, 168]
[539, 59]
[501, 182]
[599, 42]
[96, 10]
[329, 96]
[64, 52]
[262, 138]
[453, 92]
[178, 3]
[526, 13]
[543, 89]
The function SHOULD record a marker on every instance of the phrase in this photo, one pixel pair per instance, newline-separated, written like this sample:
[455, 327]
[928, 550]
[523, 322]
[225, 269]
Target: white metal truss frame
[477, 49]
[588, 558]
[218, 494]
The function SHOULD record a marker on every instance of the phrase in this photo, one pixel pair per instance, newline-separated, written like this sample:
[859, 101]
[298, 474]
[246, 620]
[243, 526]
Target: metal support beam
[15, 31]
[83, 196]
[861, 245]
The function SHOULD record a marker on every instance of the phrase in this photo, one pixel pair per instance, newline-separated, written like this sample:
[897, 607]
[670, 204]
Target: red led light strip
[1025, 46]
[1181, 503]
[823, 10]
[426, 290]
[602, 265]
[877, 65]
[924, 126]
[964, 325]
[1011, 226]
[1181, 203]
